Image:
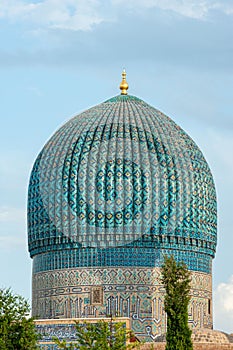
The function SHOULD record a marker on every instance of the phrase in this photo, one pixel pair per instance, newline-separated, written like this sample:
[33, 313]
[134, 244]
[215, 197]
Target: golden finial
[124, 85]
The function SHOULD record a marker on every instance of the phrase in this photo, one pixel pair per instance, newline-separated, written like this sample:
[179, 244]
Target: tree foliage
[101, 335]
[17, 330]
[176, 280]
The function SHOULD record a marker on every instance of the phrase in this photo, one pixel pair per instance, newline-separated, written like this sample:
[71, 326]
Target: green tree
[101, 335]
[17, 329]
[176, 280]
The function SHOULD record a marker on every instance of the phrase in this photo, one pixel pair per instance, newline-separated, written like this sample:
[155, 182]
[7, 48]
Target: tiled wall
[136, 293]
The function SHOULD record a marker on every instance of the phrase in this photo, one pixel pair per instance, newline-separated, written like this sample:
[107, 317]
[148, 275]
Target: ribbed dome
[117, 174]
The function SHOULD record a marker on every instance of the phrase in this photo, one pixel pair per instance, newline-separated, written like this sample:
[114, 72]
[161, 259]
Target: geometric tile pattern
[65, 329]
[114, 190]
[136, 293]
[148, 254]
[115, 174]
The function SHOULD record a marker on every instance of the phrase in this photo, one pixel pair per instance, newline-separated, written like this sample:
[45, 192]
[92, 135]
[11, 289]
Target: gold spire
[124, 85]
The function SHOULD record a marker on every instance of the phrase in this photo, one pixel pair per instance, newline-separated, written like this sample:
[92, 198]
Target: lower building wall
[204, 346]
[64, 329]
[161, 346]
[135, 293]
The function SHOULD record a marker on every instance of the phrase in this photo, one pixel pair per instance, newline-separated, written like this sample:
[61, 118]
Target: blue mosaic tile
[121, 180]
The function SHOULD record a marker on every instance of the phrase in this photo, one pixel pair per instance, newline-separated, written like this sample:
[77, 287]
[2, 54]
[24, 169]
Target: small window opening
[209, 306]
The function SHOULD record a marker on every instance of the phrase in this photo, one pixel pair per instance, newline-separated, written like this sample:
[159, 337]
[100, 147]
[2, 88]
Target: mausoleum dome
[113, 191]
[121, 174]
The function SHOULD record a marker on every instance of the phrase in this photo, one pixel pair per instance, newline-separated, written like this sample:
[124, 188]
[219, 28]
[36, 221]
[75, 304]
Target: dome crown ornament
[124, 85]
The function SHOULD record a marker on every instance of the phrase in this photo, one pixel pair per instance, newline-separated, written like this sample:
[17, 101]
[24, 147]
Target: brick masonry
[203, 339]
[203, 346]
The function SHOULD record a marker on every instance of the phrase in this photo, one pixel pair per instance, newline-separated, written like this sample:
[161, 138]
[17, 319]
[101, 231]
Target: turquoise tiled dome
[121, 183]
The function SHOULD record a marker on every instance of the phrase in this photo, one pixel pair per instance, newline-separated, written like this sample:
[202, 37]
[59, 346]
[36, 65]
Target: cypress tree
[176, 280]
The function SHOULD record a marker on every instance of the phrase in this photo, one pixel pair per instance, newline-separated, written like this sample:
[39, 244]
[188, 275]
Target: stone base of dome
[203, 339]
[64, 329]
[196, 346]
[130, 292]
[209, 336]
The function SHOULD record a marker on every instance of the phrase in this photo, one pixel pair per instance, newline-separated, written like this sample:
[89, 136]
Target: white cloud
[8, 214]
[223, 306]
[10, 182]
[85, 14]
[12, 242]
[62, 14]
[197, 9]
[194, 9]
[221, 154]
[12, 228]
[225, 293]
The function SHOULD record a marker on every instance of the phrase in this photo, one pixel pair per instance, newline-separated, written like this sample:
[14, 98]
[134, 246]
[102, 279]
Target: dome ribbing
[121, 174]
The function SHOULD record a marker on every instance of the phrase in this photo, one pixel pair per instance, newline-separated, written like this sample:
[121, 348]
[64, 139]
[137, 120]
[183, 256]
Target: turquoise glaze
[121, 184]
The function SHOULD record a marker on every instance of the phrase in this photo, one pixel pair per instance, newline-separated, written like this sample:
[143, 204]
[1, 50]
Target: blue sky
[59, 57]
